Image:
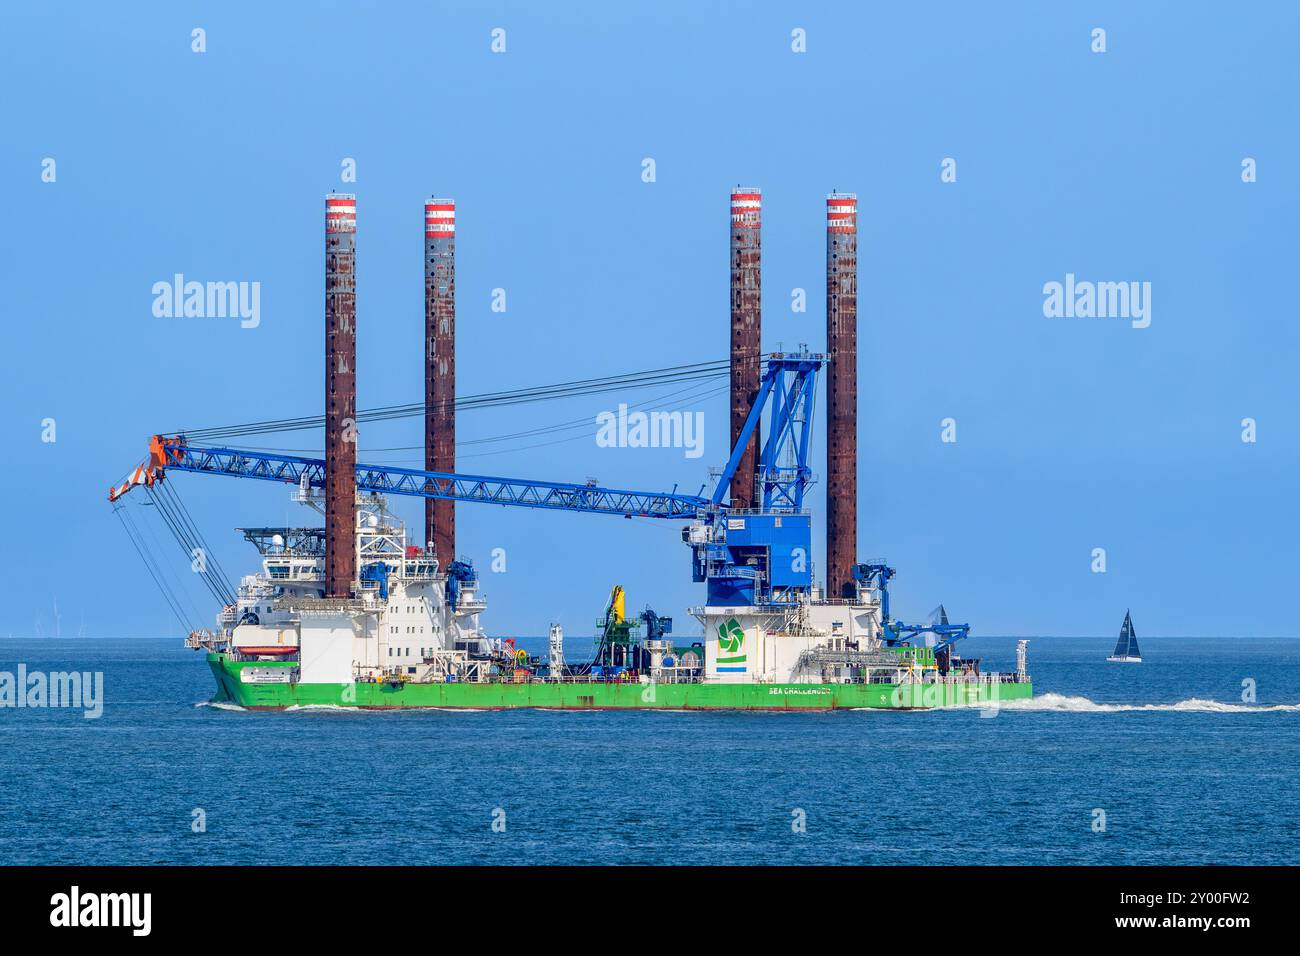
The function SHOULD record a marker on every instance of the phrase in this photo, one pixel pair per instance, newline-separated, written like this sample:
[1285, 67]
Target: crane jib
[783, 476]
[176, 454]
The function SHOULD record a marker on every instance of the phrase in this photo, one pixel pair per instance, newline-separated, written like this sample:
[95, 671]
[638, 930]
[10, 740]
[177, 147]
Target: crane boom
[787, 386]
[175, 453]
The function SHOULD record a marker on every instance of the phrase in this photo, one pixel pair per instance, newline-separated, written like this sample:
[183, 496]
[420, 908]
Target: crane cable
[156, 546]
[210, 557]
[137, 541]
[191, 541]
[559, 441]
[569, 425]
[663, 376]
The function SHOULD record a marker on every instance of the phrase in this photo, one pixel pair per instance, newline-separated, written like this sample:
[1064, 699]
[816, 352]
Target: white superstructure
[410, 619]
[813, 641]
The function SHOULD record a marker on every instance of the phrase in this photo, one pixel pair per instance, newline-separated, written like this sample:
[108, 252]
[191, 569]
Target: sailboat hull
[1125, 660]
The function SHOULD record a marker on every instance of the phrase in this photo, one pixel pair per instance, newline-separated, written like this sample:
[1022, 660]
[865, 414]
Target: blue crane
[760, 556]
[176, 454]
[943, 633]
[783, 481]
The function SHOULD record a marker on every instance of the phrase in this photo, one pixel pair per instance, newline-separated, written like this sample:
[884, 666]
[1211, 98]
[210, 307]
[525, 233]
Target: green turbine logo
[731, 640]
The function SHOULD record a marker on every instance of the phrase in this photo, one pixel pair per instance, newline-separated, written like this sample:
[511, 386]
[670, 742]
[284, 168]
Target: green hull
[600, 696]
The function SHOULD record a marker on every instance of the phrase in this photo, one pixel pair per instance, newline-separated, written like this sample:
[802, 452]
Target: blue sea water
[1184, 771]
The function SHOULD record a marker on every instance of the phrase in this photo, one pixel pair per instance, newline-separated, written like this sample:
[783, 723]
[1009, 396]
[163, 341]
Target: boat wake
[220, 705]
[342, 709]
[320, 709]
[1195, 705]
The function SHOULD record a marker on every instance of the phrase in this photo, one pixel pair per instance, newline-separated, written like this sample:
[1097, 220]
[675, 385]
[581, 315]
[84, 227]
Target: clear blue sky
[1072, 433]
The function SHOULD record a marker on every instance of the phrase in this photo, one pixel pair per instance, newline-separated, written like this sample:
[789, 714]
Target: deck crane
[940, 634]
[758, 556]
[790, 379]
[763, 555]
[177, 454]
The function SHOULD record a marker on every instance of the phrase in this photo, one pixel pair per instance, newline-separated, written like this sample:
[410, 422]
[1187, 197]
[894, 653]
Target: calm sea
[1161, 762]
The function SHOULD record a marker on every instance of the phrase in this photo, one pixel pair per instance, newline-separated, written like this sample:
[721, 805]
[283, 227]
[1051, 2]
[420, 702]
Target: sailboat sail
[1121, 646]
[1126, 648]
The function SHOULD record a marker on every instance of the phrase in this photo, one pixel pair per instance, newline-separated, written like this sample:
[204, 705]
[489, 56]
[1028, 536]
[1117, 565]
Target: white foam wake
[352, 709]
[326, 708]
[1082, 705]
[219, 705]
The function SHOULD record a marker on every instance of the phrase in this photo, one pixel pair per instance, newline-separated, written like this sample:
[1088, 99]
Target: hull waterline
[276, 694]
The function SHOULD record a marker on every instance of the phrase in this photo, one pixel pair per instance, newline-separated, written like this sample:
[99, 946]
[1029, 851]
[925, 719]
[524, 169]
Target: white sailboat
[1126, 649]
